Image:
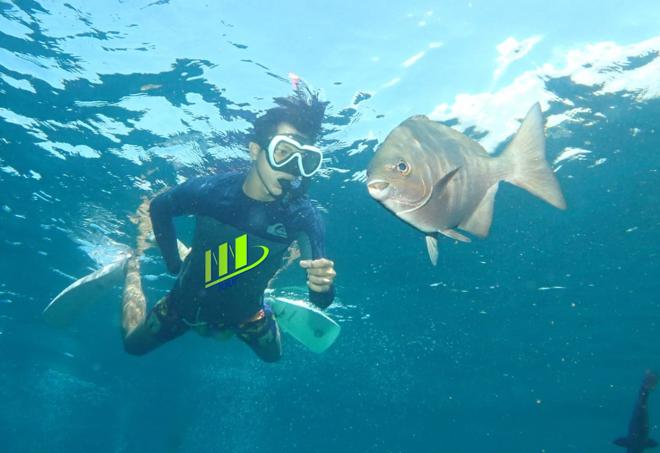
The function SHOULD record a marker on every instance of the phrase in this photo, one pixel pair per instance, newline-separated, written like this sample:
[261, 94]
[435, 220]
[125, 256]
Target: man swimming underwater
[248, 218]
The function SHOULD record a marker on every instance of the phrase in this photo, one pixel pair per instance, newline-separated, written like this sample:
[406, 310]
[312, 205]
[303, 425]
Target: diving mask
[287, 154]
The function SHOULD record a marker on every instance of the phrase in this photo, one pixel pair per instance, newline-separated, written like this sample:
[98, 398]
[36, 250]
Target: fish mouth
[378, 188]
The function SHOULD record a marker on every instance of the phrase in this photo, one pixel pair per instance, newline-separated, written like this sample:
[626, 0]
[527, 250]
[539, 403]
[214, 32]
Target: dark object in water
[638, 429]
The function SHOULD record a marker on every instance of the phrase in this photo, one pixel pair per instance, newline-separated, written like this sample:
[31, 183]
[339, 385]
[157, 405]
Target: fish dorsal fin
[622, 442]
[479, 221]
[439, 186]
[432, 247]
[455, 235]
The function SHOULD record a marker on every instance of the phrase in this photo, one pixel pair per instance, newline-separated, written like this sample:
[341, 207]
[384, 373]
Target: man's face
[271, 178]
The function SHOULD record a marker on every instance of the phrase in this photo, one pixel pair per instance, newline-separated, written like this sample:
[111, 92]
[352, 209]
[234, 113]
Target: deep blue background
[471, 355]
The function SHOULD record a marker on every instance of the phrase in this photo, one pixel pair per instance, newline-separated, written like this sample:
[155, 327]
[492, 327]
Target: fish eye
[403, 168]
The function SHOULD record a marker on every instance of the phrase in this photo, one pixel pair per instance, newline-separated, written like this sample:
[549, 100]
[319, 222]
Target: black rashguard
[223, 214]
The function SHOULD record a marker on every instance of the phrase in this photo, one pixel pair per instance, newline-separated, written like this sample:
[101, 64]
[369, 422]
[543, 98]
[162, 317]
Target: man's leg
[137, 337]
[262, 335]
[142, 333]
[159, 326]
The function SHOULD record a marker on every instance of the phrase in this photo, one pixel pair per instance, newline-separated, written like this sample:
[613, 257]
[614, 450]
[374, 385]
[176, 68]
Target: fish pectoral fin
[621, 442]
[455, 235]
[432, 247]
[650, 443]
[439, 186]
[480, 220]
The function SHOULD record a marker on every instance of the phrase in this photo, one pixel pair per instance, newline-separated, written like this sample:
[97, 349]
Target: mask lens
[287, 154]
[311, 161]
[283, 152]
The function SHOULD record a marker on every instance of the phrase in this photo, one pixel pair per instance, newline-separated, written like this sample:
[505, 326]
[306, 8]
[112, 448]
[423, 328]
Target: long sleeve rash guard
[222, 210]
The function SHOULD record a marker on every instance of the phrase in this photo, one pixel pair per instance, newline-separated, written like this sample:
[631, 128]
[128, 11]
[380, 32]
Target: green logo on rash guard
[221, 260]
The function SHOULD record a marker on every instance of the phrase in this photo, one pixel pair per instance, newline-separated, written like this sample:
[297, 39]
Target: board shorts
[260, 332]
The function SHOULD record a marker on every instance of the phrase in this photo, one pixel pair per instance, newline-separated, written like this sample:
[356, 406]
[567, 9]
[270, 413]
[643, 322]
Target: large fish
[437, 179]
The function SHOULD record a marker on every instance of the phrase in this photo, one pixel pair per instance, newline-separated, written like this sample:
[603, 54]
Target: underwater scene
[249, 226]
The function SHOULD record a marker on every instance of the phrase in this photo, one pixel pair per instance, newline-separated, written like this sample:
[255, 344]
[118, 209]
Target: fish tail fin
[650, 380]
[621, 442]
[527, 167]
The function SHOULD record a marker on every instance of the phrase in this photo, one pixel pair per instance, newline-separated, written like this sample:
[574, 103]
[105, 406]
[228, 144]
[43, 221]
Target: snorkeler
[245, 224]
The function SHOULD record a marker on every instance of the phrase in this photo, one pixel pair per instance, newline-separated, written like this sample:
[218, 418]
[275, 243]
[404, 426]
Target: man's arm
[184, 199]
[320, 270]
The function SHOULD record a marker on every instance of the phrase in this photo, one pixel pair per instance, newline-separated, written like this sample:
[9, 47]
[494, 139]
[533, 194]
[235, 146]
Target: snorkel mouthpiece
[291, 184]
[293, 188]
[296, 183]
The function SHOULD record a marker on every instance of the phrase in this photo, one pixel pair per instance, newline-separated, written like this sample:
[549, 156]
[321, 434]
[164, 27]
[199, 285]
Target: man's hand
[320, 274]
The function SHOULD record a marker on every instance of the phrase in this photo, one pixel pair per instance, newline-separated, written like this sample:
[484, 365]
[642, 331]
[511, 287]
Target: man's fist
[320, 274]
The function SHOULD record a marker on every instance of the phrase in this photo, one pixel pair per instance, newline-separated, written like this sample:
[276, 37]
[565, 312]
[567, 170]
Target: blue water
[532, 340]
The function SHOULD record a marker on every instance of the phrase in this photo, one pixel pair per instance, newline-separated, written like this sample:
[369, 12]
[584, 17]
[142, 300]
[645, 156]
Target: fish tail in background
[526, 164]
[650, 381]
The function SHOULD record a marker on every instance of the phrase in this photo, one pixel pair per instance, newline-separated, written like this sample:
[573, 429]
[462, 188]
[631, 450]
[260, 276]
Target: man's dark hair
[303, 110]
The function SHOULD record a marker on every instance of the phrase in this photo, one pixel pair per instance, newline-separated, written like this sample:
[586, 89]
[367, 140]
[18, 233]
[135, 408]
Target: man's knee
[134, 346]
[271, 357]
[271, 352]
